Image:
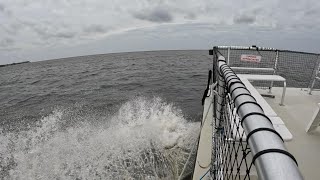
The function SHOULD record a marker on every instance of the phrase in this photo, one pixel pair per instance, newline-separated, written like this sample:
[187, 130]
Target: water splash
[145, 139]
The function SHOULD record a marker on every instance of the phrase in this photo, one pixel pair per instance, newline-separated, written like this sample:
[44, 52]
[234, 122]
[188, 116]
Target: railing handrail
[270, 156]
[262, 49]
[247, 48]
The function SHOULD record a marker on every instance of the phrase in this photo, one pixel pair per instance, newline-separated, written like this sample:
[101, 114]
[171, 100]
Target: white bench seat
[271, 78]
[255, 77]
[260, 100]
[283, 131]
[278, 125]
[252, 69]
[277, 122]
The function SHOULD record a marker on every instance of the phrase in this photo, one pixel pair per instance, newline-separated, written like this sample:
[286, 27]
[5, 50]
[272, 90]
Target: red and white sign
[250, 58]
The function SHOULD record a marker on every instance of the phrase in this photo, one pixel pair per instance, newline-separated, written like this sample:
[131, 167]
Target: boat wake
[144, 139]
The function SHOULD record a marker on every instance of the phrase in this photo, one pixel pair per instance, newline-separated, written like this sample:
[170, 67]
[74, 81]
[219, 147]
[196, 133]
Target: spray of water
[145, 139]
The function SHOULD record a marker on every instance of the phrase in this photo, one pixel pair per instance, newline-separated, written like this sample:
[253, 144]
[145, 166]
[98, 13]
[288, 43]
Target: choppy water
[115, 116]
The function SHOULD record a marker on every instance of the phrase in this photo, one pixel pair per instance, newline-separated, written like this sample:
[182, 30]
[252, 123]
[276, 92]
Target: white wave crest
[145, 139]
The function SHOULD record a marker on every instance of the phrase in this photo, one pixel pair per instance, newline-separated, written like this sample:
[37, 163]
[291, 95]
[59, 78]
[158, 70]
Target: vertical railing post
[228, 58]
[275, 66]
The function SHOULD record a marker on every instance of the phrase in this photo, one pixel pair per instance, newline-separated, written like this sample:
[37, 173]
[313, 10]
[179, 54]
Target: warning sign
[250, 58]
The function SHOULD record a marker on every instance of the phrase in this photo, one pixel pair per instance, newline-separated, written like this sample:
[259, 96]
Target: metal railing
[238, 154]
[298, 68]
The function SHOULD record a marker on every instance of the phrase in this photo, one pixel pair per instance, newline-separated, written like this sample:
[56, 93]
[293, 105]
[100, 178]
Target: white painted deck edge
[203, 160]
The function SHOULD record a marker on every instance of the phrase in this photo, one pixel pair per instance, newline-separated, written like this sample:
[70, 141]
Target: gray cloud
[2, 8]
[61, 35]
[6, 42]
[96, 29]
[9, 29]
[157, 14]
[46, 31]
[191, 16]
[244, 19]
[36, 24]
[65, 35]
[311, 12]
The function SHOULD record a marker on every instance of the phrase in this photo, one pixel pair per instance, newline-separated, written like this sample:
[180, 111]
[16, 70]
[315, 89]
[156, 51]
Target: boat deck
[296, 113]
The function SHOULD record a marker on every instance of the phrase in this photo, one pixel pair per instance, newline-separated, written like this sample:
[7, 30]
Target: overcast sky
[45, 29]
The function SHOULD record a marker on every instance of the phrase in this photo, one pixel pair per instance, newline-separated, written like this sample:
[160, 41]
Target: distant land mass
[3, 65]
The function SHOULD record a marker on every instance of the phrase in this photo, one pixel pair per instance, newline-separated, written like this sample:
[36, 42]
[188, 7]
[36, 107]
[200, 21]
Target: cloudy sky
[45, 29]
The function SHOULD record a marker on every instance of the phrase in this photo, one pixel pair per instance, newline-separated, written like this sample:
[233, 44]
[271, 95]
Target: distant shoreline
[4, 65]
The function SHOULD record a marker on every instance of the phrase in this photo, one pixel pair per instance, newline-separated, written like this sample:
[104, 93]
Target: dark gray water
[101, 116]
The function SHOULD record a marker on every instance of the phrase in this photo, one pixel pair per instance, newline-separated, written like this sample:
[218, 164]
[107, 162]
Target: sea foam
[145, 139]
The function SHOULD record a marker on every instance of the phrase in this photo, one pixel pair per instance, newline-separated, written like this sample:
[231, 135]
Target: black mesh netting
[232, 156]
